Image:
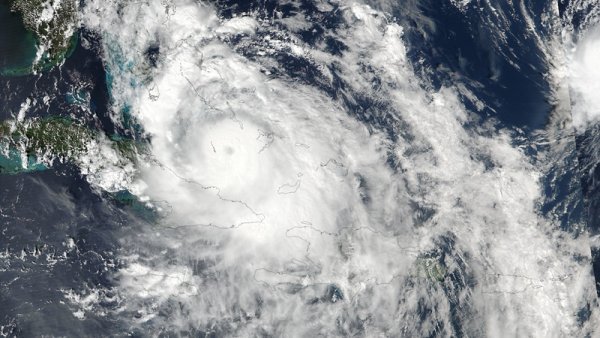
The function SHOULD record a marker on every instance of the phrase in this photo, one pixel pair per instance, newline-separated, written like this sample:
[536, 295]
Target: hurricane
[307, 168]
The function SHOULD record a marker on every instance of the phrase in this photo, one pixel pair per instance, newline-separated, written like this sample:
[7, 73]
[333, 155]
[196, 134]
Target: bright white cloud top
[288, 216]
[585, 80]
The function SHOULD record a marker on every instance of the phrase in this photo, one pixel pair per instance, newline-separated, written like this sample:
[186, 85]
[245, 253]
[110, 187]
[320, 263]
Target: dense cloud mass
[284, 213]
[307, 190]
[585, 72]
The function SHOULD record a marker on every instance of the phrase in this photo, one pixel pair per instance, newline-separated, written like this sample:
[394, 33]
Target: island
[38, 34]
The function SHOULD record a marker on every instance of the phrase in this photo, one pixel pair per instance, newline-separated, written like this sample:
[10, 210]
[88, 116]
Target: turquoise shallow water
[11, 163]
[17, 45]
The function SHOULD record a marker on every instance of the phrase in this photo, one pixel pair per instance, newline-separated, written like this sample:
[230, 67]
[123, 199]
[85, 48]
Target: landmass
[41, 141]
[53, 23]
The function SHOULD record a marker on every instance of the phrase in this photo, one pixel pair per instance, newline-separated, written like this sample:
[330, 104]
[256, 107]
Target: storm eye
[152, 54]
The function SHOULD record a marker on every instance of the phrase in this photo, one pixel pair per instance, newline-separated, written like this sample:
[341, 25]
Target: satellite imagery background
[299, 168]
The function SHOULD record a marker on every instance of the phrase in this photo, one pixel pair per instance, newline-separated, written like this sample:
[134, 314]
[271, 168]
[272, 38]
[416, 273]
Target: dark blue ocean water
[42, 212]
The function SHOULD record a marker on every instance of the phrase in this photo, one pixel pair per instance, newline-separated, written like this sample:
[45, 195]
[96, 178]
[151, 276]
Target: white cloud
[226, 138]
[585, 80]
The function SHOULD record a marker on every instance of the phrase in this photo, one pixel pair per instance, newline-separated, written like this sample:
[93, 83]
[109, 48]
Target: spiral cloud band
[285, 212]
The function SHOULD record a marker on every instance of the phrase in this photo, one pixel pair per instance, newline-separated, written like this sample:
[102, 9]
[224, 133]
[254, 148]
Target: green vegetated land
[36, 35]
[35, 143]
[431, 268]
[29, 26]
